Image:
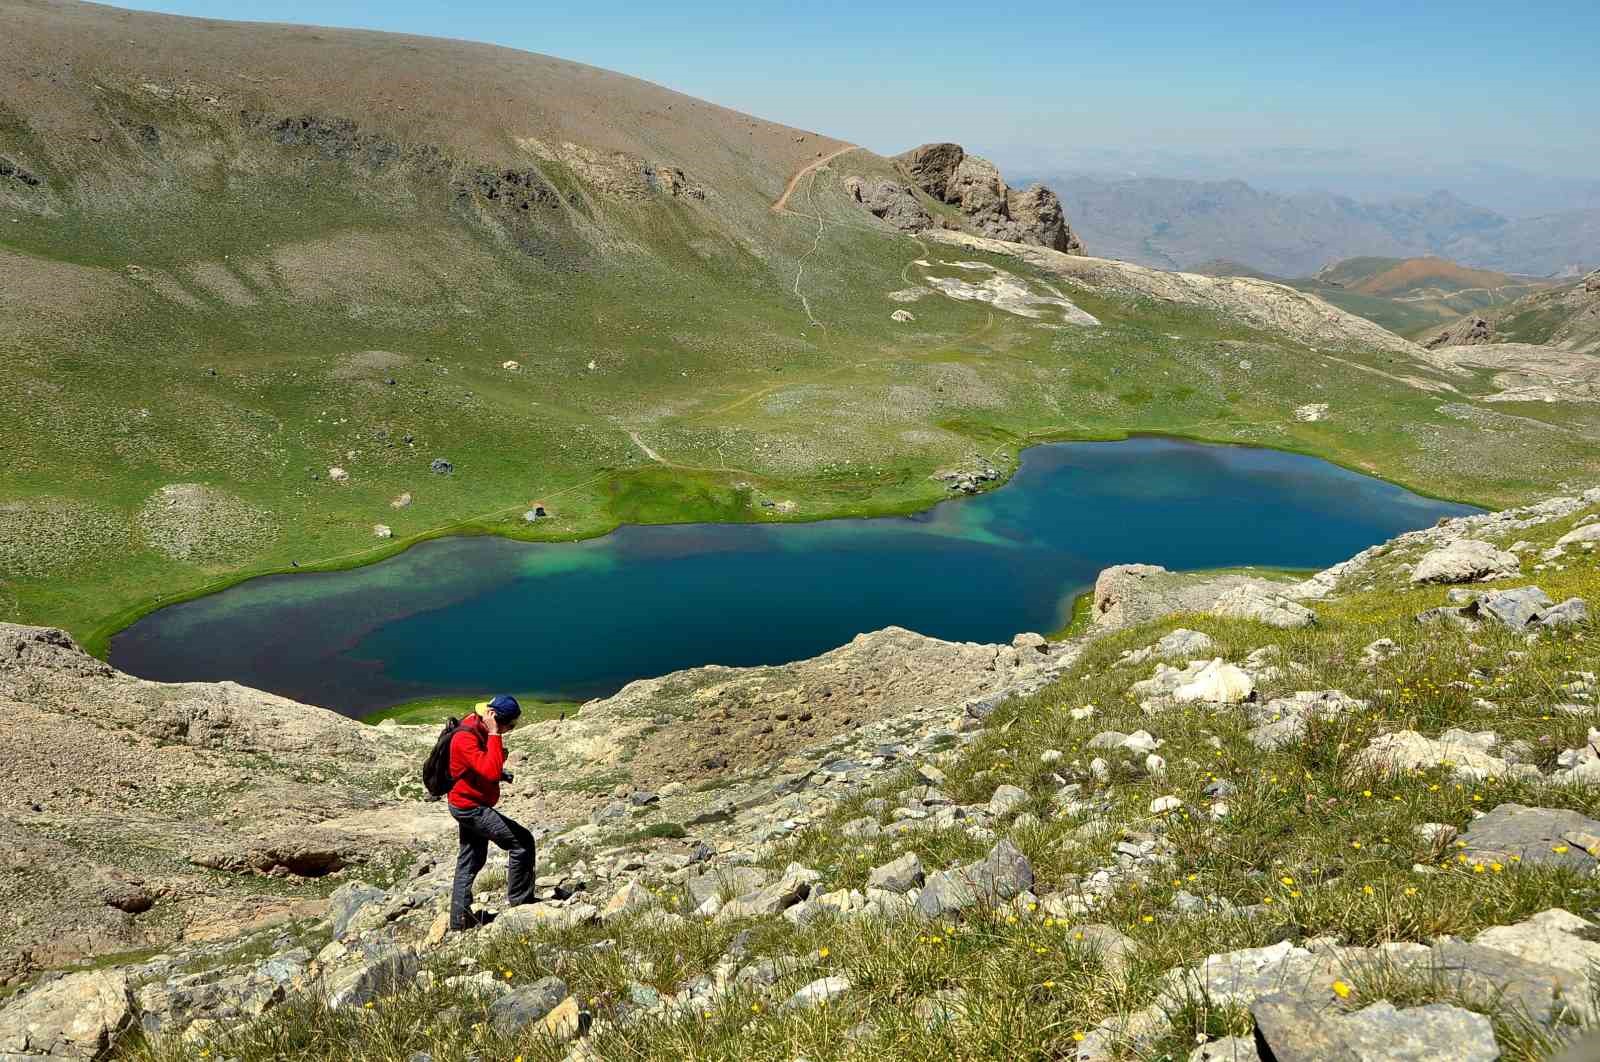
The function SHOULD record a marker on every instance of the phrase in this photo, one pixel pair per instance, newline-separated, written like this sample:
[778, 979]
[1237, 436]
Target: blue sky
[1407, 85]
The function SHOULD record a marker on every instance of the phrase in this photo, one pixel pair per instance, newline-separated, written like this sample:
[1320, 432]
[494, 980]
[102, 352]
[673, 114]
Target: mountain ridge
[1175, 223]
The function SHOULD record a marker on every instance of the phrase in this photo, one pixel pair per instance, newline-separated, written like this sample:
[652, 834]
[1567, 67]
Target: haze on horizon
[1366, 99]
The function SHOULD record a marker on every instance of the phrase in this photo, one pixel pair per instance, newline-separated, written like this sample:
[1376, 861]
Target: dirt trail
[794, 182]
[651, 454]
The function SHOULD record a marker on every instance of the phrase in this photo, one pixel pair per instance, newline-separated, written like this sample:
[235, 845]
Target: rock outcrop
[1126, 594]
[894, 203]
[988, 205]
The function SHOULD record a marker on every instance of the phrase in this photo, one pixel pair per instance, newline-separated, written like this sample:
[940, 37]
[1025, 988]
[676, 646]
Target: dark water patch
[576, 620]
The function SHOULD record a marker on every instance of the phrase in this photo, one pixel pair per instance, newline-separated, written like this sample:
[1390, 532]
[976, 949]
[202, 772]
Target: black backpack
[436, 776]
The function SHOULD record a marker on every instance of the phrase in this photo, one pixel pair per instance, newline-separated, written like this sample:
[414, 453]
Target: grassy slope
[1411, 295]
[1313, 845]
[438, 709]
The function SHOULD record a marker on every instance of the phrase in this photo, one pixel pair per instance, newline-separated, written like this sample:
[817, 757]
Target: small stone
[1163, 804]
[631, 897]
[1006, 799]
[818, 992]
[1217, 683]
[516, 1011]
[899, 875]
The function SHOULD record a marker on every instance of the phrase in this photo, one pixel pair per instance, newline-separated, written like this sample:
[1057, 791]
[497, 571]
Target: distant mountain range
[1177, 224]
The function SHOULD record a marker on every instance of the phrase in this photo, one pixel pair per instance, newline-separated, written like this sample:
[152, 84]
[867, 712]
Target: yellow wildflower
[1341, 990]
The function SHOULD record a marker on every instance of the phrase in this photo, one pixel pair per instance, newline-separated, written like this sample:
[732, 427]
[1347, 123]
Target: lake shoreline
[581, 617]
[97, 641]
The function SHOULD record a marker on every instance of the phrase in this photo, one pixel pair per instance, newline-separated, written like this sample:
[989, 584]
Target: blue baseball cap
[505, 707]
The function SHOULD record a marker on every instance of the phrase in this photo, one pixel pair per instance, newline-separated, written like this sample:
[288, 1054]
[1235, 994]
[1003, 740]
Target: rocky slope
[1267, 829]
[1258, 303]
[1566, 318]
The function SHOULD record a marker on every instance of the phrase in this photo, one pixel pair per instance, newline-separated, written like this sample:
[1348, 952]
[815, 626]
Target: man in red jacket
[477, 763]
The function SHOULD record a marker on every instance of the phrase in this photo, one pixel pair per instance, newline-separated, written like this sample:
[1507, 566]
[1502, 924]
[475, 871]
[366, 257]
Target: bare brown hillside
[57, 57]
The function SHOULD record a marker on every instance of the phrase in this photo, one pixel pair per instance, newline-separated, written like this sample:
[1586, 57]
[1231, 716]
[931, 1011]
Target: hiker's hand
[491, 725]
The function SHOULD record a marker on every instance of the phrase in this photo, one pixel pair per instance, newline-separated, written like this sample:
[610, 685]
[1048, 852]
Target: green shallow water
[580, 619]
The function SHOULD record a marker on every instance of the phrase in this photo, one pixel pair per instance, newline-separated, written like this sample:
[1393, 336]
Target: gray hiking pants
[478, 826]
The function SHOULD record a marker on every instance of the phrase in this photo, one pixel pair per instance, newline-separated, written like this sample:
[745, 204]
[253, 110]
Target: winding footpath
[782, 202]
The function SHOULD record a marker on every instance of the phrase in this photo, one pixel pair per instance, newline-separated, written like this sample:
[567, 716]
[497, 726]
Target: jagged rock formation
[1470, 329]
[990, 208]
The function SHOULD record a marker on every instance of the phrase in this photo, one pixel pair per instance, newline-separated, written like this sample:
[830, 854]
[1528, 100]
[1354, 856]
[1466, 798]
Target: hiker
[477, 765]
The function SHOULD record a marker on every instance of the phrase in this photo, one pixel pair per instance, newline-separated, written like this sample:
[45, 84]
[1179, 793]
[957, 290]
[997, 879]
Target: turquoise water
[575, 620]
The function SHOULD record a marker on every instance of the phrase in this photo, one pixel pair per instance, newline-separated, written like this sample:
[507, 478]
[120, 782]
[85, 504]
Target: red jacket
[476, 765]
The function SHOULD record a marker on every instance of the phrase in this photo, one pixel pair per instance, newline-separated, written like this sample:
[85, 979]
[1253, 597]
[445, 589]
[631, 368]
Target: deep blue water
[575, 620]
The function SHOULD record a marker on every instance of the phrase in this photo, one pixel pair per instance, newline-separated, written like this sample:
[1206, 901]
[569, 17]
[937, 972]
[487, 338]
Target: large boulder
[1037, 213]
[794, 886]
[1554, 937]
[898, 875]
[896, 204]
[1214, 680]
[1579, 535]
[1290, 1029]
[517, 1010]
[1466, 755]
[77, 1016]
[1263, 606]
[1543, 836]
[1466, 560]
[931, 166]
[1284, 721]
[378, 970]
[734, 881]
[1128, 594]
[1001, 875]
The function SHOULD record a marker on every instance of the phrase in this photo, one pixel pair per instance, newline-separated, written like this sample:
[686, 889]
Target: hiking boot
[474, 920]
